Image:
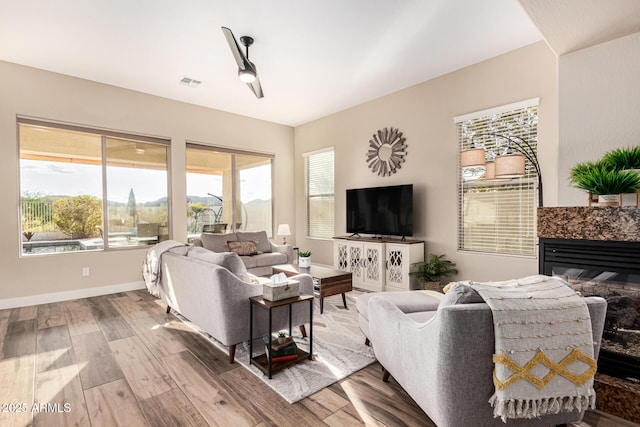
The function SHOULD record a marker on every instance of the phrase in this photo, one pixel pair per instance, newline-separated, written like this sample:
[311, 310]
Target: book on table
[283, 353]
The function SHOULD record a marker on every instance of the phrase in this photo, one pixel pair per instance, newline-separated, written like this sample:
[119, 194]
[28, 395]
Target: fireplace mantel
[621, 224]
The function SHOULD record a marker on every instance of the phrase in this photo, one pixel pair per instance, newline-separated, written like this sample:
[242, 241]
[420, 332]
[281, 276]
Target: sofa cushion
[264, 260]
[461, 293]
[258, 237]
[228, 260]
[217, 242]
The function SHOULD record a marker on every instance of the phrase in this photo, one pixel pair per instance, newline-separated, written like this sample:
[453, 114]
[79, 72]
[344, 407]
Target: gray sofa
[212, 290]
[443, 357]
[268, 253]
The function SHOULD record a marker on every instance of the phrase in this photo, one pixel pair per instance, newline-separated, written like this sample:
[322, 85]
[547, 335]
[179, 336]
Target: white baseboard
[69, 295]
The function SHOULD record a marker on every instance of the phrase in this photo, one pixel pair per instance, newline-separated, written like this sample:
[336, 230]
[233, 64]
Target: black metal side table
[262, 361]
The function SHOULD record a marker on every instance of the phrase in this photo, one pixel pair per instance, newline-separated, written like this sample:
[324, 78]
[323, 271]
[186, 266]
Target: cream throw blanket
[544, 347]
[151, 265]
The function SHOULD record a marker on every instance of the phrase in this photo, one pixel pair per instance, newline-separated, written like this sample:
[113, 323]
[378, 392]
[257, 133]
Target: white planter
[609, 200]
[304, 262]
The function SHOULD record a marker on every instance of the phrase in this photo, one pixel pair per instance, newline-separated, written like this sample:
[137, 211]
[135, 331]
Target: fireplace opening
[610, 270]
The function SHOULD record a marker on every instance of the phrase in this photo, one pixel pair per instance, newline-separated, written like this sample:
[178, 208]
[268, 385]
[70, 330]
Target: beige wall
[599, 94]
[424, 113]
[37, 93]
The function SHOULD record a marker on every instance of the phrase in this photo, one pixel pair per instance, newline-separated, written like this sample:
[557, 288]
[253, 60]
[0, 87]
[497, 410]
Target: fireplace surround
[597, 250]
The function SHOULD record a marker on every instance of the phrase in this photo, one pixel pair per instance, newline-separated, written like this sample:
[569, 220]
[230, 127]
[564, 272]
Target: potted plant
[304, 259]
[281, 337]
[601, 179]
[623, 159]
[430, 273]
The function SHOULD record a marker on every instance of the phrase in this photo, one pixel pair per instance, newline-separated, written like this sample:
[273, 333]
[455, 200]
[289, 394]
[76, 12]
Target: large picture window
[84, 189]
[319, 184]
[497, 215]
[228, 191]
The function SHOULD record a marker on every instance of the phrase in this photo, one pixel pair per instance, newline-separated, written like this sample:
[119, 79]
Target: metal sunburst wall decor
[386, 151]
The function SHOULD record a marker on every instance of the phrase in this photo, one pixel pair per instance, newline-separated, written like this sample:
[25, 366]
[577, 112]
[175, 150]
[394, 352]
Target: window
[319, 169]
[228, 191]
[85, 189]
[498, 215]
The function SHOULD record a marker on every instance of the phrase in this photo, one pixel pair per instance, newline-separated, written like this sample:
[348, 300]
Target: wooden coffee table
[326, 281]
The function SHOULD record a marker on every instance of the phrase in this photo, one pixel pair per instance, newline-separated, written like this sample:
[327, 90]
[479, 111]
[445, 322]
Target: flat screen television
[385, 211]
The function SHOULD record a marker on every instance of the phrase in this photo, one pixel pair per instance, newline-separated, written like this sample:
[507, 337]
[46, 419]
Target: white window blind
[319, 177]
[498, 216]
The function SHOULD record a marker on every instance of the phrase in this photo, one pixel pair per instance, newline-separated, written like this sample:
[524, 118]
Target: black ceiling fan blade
[241, 60]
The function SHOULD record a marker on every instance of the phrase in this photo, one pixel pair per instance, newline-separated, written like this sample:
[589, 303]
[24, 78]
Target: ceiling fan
[246, 69]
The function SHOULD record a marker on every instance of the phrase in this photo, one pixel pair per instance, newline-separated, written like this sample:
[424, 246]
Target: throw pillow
[461, 293]
[243, 248]
[259, 238]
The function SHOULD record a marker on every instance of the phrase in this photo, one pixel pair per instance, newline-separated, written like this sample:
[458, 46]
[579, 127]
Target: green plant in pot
[431, 272]
[304, 259]
[623, 159]
[601, 179]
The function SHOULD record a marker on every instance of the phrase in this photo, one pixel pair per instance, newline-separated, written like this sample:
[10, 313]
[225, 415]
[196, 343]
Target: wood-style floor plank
[172, 409]
[109, 320]
[50, 315]
[23, 313]
[156, 336]
[79, 317]
[386, 409]
[208, 393]
[20, 338]
[324, 403]
[114, 404]
[267, 402]
[59, 399]
[16, 379]
[345, 417]
[96, 363]
[142, 370]
[211, 356]
[54, 348]
[128, 308]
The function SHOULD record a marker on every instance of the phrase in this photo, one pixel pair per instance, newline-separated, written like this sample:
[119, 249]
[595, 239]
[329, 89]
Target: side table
[263, 362]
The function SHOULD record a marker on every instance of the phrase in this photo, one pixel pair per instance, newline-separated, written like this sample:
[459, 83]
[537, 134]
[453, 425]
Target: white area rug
[338, 349]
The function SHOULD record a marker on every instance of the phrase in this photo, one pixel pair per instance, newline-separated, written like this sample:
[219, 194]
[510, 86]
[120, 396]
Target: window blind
[498, 216]
[319, 178]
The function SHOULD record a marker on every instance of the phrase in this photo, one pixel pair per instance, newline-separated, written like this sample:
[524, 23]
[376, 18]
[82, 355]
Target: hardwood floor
[120, 360]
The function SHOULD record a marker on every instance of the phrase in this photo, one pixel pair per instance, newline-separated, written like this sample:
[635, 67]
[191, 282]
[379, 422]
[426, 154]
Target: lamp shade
[473, 157]
[489, 170]
[509, 166]
[283, 230]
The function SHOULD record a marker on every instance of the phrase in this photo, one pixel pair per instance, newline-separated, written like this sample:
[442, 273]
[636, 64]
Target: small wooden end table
[329, 281]
[262, 361]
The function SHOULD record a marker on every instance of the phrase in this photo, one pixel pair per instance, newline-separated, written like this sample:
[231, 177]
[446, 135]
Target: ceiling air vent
[187, 81]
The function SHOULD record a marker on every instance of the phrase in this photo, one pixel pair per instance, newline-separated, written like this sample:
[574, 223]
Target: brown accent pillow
[243, 248]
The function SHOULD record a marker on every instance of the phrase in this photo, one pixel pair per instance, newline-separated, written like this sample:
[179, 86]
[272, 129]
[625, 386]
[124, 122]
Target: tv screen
[385, 211]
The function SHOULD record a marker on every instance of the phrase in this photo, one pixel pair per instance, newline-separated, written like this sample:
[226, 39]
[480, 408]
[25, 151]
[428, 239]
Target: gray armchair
[445, 364]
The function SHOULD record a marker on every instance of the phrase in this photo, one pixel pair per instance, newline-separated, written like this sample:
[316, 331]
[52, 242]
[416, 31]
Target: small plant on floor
[431, 272]
[305, 254]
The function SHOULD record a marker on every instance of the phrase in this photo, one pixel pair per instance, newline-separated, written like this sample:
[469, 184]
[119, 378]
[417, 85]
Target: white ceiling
[314, 58]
